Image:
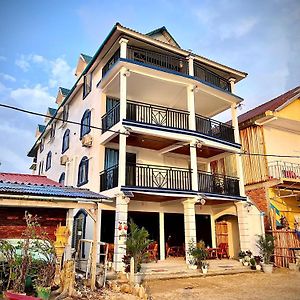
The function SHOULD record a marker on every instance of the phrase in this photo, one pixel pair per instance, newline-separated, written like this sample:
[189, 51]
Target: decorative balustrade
[111, 118]
[283, 169]
[218, 184]
[214, 128]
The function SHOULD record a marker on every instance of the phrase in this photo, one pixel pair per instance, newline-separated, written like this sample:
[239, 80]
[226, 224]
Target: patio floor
[176, 268]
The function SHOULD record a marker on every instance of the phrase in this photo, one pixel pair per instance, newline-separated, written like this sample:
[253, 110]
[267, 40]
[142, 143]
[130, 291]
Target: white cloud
[2, 58]
[36, 98]
[59, 71]
[7, 77]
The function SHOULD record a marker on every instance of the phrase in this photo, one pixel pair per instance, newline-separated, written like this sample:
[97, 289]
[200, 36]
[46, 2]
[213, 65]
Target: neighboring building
[273, 182]
[157, 150]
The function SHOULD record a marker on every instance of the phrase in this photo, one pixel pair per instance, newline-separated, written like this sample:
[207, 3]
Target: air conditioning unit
[64, 159]
[87, 140]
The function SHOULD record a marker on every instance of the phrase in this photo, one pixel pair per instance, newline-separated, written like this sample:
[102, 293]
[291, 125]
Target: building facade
[138, 126]
[272, 178]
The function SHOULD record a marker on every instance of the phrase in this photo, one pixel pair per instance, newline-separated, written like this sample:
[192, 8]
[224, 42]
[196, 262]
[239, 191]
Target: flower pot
[192, 267]
[267, 268]
[43, 292]
[137, 278]
[245, 263]
[204, 270]
[240, 260]
[258, 267]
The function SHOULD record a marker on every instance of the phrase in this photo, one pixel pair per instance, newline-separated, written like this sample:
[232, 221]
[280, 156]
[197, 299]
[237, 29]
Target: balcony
[148, 176]
[167, 117]
[218, 184]
[170, 62]
[282, 169]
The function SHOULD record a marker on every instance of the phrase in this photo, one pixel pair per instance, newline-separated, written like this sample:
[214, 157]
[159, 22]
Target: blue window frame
[62, 178]
[85, 127]
[83, 171]
[48, 160]
[66, 141]
[79, 228]
[87, 84]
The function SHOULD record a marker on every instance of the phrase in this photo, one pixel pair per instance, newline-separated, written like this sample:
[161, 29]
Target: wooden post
[95, 247]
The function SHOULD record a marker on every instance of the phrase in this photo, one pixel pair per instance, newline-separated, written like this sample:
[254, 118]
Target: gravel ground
[282, 284]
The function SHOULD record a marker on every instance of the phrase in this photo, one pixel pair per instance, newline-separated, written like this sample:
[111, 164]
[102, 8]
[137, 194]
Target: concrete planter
[267, 268]
[204, 270]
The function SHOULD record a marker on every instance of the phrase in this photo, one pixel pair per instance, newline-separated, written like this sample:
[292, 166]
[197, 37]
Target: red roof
[270, 105]
[27, 178]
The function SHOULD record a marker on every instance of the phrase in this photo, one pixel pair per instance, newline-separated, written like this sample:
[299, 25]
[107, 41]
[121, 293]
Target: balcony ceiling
[142, 88]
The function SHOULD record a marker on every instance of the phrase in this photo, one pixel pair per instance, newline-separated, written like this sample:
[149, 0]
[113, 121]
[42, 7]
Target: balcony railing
[157, 115]
[211, 77]
[111, 118]
[164, 61]
[148, 176]
[218, 184]
[214, 128]
[111, 62]
[282, 169]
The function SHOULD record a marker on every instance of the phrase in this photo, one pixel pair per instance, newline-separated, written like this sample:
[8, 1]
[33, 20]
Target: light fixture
[195, 89]
[127, 73]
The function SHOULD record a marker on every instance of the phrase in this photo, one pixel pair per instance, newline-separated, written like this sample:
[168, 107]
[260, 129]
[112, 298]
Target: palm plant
[266, 247]
[137, 243]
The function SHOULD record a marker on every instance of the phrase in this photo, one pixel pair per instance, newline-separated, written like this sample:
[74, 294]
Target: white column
[69, 224]
[243, 222]
[193, 158]
[74, 171]
[95, 249]
[162, 242]
[123, 92]
[99, 220]
[191, 65]
[213, 231]
[67, 174]
[189, 225]
[120, 233]
[191, 107]
[123, 47]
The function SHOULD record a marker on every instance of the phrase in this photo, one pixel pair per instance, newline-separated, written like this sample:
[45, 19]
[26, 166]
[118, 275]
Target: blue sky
[41, 42]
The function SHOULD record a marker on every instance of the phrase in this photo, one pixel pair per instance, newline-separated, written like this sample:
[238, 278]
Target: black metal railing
[111, 118]
[214, 128]
[111, 62]
[164, 61]
[157, 115]
[148, 176]
[283, 169]
[109, 178]
[211, 77]
[218, 184]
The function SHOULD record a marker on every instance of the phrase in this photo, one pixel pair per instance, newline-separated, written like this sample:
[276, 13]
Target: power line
[118, 132]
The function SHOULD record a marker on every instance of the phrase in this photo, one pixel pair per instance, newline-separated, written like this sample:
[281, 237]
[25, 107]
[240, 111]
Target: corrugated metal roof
[270, 105]
[27, 178]
[7, 187]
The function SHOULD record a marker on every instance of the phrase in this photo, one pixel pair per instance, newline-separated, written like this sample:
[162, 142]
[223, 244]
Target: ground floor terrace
[173, 222]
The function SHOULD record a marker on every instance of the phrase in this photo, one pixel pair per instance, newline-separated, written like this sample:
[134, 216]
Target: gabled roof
[52, 111]
[25, 184]
[87, 58]
[164, 31]
[41, 128]
[271, 105]
[64, 91]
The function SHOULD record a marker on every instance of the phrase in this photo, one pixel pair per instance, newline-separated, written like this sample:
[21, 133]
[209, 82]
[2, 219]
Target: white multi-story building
[146, 138]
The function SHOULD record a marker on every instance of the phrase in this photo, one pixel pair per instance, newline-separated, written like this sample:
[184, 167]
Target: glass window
[52, 130]
[83, 171]
[65, 114]
[87, 84]
[66, 141]
[62, 178]
[85, 123]
[48, 160]
[79, 227]
[42, 145]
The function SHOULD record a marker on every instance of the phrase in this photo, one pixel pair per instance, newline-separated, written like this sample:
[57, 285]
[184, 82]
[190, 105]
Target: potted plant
[136, 246]
[258, 260]
[266, 248]
[197, 254]
[241, 255]
[204, 267]
[252, 263]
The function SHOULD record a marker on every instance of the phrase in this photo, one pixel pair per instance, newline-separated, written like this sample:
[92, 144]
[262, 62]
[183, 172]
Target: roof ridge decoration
[167, 35]
[86, 57]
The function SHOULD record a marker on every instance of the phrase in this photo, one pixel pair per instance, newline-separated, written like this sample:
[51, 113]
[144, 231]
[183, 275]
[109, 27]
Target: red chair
[222, 251]
[152, 251]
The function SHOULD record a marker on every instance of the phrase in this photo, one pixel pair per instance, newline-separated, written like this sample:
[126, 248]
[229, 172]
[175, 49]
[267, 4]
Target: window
[48, 160]
[65, 113]
[83, 171]
[41, 167]
[79, 227]
[66, 141]
[42, 145]
[52, 131]
[62, 178]
[85, 123]
[87, 84]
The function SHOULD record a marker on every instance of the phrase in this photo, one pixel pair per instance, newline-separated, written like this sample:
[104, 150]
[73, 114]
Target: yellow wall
[291, 111]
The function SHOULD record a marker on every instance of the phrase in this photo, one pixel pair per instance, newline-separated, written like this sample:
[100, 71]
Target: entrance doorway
[174, 229]
[203, 229]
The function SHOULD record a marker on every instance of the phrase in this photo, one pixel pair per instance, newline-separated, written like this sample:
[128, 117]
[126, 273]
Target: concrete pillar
[162, 243]
[213, 231]
[191, 107]
[69, 224]
[95, 248]
[99, 220]
[243, 222]
[189, 225]
[123, 47]
[190, 59]
[120, 233]
[193, 158]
